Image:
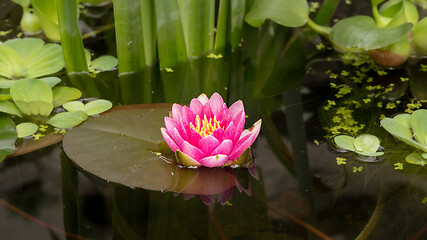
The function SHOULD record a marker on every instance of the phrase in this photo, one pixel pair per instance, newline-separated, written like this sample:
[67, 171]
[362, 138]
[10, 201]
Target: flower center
[205, 127]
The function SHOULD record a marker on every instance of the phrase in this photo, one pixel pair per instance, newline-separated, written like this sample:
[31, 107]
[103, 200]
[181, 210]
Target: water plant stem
[322, 30]
[374, 218]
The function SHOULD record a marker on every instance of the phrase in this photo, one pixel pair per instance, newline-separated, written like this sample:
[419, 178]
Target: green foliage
[420, 35]
[26, 129]
[360, 32]
[415, 134]
[32, 96]
[290, 13]
[364, 144]
[46, 11]
[67, 119]
[8, 136]
[64, 94]
[29, 58]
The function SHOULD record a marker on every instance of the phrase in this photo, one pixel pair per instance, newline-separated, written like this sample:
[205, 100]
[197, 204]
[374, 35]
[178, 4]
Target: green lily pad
[32, 96]
[289, 13]
[416, 158]
[104, 63]
[67, 119]
[29, 58]
[26, 129]
[360, 32]
[65, 94]
[125, 146]
[8, 136]
[74, 106]
[97, 107]
[10, 107]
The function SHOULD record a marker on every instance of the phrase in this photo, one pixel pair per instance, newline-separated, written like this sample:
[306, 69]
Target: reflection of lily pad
[125, 146]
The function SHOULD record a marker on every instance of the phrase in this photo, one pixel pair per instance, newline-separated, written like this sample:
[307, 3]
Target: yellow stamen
[205, 127]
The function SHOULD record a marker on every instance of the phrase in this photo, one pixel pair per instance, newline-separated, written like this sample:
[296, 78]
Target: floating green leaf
[7, 136]
[67, 119]
[125, 146]
[29, 58]
[289, 13]
[364, 144]
[64, 94]
[32, 96]
[97, 107]
[6, 83]
[10, 107]
[419, 126]
[402, 132]
[51, 81]
[416, 158]
[26, 129]
[74, 106]
[360, 32]
[104, 63]
[46, 11]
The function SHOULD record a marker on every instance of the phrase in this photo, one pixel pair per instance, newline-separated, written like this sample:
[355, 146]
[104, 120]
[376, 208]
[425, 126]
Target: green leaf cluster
[412, 130]
[364, 144]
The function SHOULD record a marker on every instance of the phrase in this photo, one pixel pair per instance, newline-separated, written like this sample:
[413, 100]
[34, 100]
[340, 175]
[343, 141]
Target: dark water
[296, 189]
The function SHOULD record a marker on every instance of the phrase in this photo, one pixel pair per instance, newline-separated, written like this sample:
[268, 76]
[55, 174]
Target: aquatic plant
[364, 144]
[412, 130]
[208, 133]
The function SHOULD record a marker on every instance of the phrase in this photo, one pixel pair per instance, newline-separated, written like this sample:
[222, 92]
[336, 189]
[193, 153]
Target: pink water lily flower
[208, 133]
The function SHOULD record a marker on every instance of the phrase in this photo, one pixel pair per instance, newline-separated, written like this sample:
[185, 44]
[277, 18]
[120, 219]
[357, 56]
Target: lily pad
[360, 32]
[125, 146]
[32, 145]
[289, 13]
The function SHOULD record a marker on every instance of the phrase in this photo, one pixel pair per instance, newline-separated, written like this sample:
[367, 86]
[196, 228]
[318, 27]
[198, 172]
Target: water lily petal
[176, 137]
[246, 141]
[194, 137]
[225, 196]
[176, 111]
[218, 133]
[169, 140]
[214, 161]
[196, 106]
[192, 151]
[203, 98]
[207, 111]
[171, 124]
[239, 123]
[230, 132]
[208, 144]
[224, 148]
[216, 102]
[236, 110]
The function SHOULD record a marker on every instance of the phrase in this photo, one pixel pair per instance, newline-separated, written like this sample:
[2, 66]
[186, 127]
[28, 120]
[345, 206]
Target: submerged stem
[374, 218]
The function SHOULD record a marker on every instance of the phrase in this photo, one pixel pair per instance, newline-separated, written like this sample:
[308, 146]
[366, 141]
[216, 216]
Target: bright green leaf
[289, 13]
[67, 119]
[424, 155]
[404, 119]
[345, 142]
[9, 62]
[46, 11]
[26, 129]
[7, 136]
[360, 32]
[400, 132]
[6, 83]
[366, 143]
[97, 107]
[32, 96]
[104, 63]
[419, 126]
[416, 158]
[51, 81]
[65, 94]
[10, 107]
[73, 106]
[23, 3]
